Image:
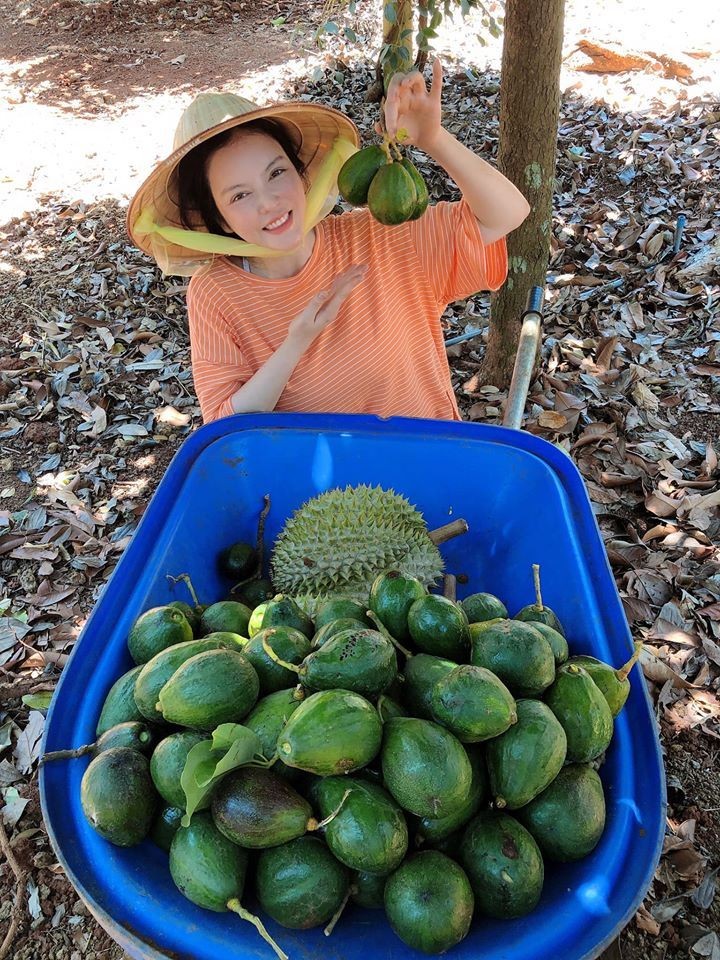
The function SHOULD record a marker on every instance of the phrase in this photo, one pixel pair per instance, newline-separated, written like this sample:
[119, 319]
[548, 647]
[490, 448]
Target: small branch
[622, 673]
[450, 586]
[67, 754]
[381, 628]
[448, 531]
[184, 578]
[260, 541]
[336, 916]
[17, 904]
[276, 659]
[536, 581]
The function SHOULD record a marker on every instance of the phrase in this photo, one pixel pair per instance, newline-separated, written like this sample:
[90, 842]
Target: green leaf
[350, 34]
[38, 701]
[232, 746]
[390, 13]
[331, 27]
[278, 21]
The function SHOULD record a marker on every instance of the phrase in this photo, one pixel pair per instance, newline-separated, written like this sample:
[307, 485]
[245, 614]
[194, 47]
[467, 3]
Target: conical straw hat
[313, 128]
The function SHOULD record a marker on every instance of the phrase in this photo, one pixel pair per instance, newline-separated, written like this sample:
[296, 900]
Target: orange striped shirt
[384, 353]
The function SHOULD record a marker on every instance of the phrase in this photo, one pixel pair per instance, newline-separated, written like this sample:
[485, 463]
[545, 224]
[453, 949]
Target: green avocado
[420, 675]
[238, 561]
[167, 764]
[357, 659]
[283, 611]
[369, 833]
[331, 732]
[421, 190]
[439, 626]
[210, 870]
[226, 616]
[268, 717]
[392, 197]
[253, 593]
[368, 890]
[473, 704]
[156, 672]
[425, 767]
[583, 711]
[329, 629]
[434, 830]
[300, 884]
[156, 629]
[613, 684]
[119, 705]
[118, 797]
[218, 686]
[133, 734]
[206, 867]
[568, 818]
[517, 653]
[525, 759]
[484, 606]
[288, 644]
[429, 902]
[258, 808]
[165, 825]
[357, 173]
[341, 608]
[504, 865]
[391, 596]
[556, 640]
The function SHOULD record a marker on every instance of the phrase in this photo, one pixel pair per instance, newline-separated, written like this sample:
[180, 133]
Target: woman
[291, 309]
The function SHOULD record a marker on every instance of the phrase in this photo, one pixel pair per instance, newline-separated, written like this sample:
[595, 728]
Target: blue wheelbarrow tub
[525, 503]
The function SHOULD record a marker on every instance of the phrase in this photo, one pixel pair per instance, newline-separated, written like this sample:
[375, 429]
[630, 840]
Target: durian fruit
[337, 543]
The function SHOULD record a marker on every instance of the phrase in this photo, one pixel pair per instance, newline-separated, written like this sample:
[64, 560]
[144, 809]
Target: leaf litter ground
[96, 396]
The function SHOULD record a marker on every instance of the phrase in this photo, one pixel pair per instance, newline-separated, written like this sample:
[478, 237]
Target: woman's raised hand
[325, 306]
[412, 112]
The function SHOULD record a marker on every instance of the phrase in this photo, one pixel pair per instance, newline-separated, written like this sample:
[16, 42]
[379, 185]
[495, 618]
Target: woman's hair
[195, 198]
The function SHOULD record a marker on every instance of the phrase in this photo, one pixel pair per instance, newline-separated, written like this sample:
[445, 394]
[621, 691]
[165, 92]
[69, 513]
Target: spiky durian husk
[337, 543]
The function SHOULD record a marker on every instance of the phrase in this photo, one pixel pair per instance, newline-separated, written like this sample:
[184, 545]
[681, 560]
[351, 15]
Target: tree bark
[393, 38]
[529, 107]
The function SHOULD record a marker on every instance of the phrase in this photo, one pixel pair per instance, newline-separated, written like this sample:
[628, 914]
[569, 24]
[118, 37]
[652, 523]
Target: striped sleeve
[453, 254]
[219, 368]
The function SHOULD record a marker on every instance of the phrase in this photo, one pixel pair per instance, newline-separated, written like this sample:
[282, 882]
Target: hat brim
[313, 128]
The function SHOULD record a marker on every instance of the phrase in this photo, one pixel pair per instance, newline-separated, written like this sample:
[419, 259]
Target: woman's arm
[498, 205]
[262, 391]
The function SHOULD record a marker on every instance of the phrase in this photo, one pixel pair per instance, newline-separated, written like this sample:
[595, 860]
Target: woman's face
[258, 192]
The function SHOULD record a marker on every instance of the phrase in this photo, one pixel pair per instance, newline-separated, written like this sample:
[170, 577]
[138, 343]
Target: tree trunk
[397, 37]
[529, 107]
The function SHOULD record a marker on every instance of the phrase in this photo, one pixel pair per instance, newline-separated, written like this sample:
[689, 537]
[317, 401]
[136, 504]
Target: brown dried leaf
[552, 420]
[659, 672]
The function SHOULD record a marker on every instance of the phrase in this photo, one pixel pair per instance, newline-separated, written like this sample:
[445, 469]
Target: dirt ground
[89, 97]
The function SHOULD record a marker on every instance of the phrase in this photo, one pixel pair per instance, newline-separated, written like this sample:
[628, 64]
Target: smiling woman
[291, 308]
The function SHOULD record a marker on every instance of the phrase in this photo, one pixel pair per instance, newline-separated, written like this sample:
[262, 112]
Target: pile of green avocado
[413, 754]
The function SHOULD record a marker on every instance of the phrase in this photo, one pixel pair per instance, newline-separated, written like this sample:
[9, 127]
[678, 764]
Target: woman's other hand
[412, 108]
[325, 306]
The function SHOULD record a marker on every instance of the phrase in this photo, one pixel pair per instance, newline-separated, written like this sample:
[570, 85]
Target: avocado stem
[237, 908]
[188, 582]
[394, 146]
[388, 636]
[67, 754]
[536, 579]
[448, 530]
[331, 816]
[276, 659]
[622, 673]
[336, 916]
[260, 540]
[386, 147]
[450, 586]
